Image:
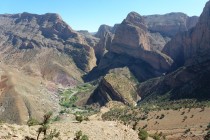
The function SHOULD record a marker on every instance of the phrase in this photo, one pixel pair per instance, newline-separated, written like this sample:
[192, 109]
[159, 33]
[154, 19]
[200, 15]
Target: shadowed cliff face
[190, 82]
[190, 51]
[132, 40]
[105, 34]
[192, 46]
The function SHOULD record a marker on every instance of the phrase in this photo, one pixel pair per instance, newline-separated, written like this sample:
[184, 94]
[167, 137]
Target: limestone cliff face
[118, 85]
[103, 29]
[170, 24]
[132, 38]
[89, 37]
[105, 34]
[133, 45]
[159, 30]
[191, 46]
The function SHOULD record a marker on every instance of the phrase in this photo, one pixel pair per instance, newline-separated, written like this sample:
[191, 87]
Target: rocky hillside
[118, 85]
[189, 50]
[137, 44]
[30, 32]
[39, 54]
[186, 82]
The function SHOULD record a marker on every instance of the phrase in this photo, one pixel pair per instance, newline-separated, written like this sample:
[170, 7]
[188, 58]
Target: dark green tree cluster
[207, 137]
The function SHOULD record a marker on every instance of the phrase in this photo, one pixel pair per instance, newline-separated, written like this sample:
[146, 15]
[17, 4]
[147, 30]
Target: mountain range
[138, 60]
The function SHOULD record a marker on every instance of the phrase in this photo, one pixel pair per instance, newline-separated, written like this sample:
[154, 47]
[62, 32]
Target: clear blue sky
[90, 14]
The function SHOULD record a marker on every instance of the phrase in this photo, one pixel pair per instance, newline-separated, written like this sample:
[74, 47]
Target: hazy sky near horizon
[90, 14]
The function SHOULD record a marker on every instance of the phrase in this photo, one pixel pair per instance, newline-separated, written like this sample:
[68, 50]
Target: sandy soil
[175, 123]
[95, 130]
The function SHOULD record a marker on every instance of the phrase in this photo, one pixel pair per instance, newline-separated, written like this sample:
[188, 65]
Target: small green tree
[79, 118]
[208, 126]
[156, 137]
[44, 125]
[159, 136]
[52, 134]
[135, 125]
[84, 137]
[143, 135]
[43, 128]
[207, 137]
[80, 136]
[29, 138]
[32, 122]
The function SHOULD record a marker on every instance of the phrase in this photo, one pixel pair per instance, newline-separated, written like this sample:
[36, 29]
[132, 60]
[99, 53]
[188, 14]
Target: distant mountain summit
[30, 31]
[170, 24]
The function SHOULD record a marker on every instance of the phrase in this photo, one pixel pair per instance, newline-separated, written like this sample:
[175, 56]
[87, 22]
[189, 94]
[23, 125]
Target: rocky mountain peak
[170, 24]
[28, 17]
[103, 29]
[135, 18]
[205, 16]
